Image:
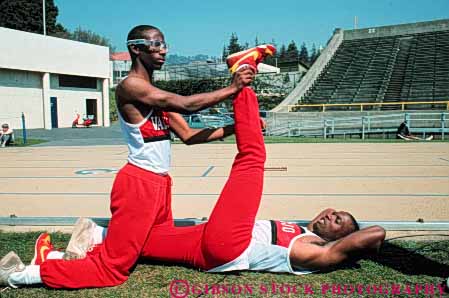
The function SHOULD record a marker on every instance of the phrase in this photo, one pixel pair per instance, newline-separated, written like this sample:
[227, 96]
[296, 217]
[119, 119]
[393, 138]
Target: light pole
[43, 14]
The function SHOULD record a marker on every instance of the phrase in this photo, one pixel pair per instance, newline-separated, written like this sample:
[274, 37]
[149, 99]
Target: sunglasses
[157, 44]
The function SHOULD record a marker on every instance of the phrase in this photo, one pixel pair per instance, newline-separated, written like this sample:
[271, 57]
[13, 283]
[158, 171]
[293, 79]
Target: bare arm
[192, 136]
[321, 255]
[137, 89]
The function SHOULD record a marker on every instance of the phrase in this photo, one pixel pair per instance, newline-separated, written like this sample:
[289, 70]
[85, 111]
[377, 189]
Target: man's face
[331, 224]
[153, 57]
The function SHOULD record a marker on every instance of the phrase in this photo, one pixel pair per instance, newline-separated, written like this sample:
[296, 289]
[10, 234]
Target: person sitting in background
[6, 135]
[403, 132]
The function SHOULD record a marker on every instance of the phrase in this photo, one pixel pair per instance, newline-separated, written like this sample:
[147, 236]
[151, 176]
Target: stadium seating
[410, 68]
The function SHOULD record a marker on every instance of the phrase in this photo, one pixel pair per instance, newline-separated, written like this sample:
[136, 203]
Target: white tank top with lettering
[269, 250]
[149, 142]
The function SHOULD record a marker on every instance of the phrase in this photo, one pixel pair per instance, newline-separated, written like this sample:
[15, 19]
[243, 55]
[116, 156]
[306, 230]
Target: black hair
[354, 223]
[138, 32]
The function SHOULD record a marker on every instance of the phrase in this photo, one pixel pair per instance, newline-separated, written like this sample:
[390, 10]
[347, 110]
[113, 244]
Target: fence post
[407, 119]
[24, 130]
[325, 129]
[369, 123]
[443, 125]
[288, 128]
[363, 127]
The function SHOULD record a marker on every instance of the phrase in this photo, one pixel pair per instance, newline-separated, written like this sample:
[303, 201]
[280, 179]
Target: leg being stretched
[228, 231]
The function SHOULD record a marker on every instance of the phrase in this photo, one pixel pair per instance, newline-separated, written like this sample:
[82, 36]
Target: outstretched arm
[137, 89]
[192, 136]
[319, 255]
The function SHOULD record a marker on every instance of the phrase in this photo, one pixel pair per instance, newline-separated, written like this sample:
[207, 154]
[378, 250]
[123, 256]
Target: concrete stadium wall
[39, 53]
[21, 92]
[384, 31]
[27, 101]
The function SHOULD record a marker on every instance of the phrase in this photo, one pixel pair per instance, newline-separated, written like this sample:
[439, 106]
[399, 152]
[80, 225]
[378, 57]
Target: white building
[51, 79]
[120, 65]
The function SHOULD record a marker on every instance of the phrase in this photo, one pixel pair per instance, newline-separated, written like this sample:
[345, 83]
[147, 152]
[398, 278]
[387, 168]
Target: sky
[203, 27]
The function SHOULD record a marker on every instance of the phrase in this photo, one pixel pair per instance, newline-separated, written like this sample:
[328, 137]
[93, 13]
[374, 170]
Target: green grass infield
[402, 269]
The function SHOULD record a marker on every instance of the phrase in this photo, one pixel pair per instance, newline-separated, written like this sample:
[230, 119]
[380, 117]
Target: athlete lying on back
[276, 246]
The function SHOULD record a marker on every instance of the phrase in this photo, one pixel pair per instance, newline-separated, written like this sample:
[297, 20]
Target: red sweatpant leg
[180, 245]
[229, 229]
[139, 199]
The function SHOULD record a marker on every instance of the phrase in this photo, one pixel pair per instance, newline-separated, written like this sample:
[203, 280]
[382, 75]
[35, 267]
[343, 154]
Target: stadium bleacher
[406, 67]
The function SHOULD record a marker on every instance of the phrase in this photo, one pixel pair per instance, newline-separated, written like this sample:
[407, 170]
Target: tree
[313, 54]
[274, 43]
[27, 16]
[292, 51]
[234, 45]
[304, 54]
[283, 52]
[256, 42]
[225, 53]
[91, 37]
[113, 113]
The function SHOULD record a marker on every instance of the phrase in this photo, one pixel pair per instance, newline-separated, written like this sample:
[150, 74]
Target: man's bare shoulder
[132, 82]
[133, 88]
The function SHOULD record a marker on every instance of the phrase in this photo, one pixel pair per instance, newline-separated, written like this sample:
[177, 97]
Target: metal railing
[104, 221]
[425, 123]
[323, 106]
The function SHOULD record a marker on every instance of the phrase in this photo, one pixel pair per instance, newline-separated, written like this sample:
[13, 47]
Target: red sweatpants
[229, 229]
[139, 200]
[142, 223]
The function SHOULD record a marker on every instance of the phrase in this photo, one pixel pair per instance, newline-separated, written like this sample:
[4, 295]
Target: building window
[124, 73]
[77, 82]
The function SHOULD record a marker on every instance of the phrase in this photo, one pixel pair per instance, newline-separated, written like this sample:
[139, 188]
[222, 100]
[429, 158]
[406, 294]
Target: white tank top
[278, 232]
[149, 142]
[269, 249]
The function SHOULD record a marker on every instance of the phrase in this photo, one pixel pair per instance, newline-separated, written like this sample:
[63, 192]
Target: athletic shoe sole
[81, 239]
[9, 264]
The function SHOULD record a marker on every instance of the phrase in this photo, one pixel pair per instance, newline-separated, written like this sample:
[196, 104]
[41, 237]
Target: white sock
[55, 255]
[31, 275]
[99, 235]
